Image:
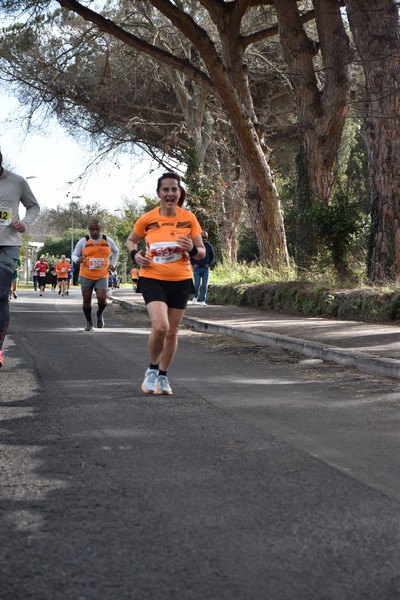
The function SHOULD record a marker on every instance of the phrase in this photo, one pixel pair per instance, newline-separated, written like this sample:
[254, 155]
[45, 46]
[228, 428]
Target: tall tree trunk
[321, 103]
[375, 28]
[262, 196]
[233, 203]
[192, 100]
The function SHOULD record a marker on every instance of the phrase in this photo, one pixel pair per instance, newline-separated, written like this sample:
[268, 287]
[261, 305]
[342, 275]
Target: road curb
[364, 362]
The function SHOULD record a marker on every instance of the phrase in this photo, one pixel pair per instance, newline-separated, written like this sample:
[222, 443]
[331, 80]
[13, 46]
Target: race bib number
[42, 274]
[5, 215]
[165, 252]
[96, 263]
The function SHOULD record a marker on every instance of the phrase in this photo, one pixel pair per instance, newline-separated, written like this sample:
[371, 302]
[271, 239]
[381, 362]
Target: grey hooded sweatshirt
[14, 190]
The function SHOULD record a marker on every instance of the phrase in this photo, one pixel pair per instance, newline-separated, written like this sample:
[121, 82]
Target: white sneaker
[203, 304]
[194, 301]
[149, 383]
[162, 385]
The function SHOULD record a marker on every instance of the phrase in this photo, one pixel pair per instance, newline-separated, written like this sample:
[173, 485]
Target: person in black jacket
[201, 270]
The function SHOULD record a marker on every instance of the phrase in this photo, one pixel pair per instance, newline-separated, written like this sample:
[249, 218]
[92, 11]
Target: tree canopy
[225, 83]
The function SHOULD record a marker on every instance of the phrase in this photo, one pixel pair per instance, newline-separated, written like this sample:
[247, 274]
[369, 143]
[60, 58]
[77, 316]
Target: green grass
[249, 273]
[254, 273]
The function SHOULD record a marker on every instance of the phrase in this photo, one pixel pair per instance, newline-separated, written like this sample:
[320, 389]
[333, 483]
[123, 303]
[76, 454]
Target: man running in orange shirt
[92, 253]
[62, 268]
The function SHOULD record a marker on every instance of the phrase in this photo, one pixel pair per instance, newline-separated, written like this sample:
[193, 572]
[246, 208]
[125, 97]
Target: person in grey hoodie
[14, 190]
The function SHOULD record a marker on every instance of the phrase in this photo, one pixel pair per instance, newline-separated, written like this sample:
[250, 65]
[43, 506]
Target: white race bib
[5, 215]
[165, 252]
[96, 263]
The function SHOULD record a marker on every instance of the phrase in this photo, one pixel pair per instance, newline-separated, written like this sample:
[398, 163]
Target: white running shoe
[162, 385]
[149, 383]
[194, 301]
[203, 304]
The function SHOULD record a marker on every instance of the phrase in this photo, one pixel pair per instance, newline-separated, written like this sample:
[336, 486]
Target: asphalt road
[262, 477]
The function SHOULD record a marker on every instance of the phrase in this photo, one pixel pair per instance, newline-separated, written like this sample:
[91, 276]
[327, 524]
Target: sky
[53, 162]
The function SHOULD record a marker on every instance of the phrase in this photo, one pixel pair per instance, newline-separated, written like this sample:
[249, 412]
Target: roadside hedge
[366, 304]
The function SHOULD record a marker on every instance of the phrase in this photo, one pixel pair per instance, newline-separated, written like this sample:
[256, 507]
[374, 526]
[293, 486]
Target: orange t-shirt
[62, 269]
[96, 255]
[169, 261]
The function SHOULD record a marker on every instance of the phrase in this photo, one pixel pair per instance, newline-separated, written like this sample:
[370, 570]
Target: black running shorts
[175, 294]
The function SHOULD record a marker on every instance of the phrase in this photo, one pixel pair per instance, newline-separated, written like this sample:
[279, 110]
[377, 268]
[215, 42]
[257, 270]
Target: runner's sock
[88, 314]
[101, 308]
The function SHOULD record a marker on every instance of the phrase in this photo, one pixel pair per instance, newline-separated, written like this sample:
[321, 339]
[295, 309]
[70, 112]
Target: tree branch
[258, 36]
[186, 25]
[108, 26]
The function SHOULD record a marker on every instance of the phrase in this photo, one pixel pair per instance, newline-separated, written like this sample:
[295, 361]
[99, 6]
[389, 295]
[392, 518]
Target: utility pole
[27, 244]
[72, 222]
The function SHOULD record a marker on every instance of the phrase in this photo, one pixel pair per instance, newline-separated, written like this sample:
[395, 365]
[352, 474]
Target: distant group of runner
[175, 246]
[57, 275]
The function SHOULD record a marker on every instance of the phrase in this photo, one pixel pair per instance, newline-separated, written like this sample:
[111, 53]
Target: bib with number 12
[5, 215]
